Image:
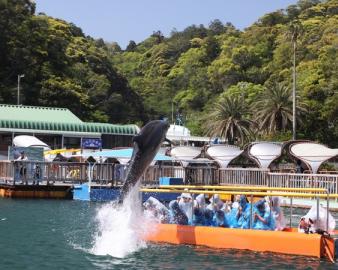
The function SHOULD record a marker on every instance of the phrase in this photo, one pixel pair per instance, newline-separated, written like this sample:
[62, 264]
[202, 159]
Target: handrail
[244, 188]
[286, 194]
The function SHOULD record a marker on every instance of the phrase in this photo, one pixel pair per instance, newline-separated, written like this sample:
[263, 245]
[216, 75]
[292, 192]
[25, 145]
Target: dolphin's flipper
[169, 141]
[138, 140]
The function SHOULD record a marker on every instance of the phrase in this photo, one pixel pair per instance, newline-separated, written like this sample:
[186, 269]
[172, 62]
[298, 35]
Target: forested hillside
[223, 81]
[62, 67]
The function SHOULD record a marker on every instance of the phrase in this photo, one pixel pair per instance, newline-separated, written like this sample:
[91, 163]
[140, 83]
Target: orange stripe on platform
[272, 241]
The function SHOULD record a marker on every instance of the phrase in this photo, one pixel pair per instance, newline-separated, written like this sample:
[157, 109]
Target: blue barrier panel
[104, 194]
[165, 181]
[80, 192]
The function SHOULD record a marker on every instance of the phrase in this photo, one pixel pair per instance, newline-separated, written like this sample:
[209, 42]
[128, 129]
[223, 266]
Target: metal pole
[18, 95]
[192, 207]
[291, 212]
[317, 209]
[251, 218]
[294, 93]
[327, 211]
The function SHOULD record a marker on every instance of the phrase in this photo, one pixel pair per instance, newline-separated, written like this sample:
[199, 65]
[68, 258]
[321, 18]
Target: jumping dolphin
[146, 145]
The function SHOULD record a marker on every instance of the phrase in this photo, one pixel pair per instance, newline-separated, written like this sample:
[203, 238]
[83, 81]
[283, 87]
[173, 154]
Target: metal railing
[295, 180]
[243, 176]
[27, 172]
[16, 172]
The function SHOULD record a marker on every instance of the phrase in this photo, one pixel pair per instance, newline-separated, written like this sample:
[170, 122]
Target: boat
[288, 241]
[284, 242]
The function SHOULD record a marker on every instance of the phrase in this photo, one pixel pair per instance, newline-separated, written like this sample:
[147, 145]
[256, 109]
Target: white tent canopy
[185, 152]
[265, 152]
[29, 141]
[224, 154]
[313, 154]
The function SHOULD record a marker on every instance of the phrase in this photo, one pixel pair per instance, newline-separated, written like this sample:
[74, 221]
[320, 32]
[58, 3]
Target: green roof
[32, 113]
[33, 119]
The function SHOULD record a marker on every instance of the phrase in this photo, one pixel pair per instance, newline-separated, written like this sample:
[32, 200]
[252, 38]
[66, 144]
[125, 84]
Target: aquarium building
[58, 127]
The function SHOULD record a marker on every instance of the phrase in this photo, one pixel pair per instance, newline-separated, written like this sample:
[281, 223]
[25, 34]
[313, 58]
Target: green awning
[35, 126]
[54, 120]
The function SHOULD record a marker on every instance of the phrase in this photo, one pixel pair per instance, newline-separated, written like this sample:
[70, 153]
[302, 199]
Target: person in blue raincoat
[220, 219]
[208, 217]
[199, 211]
[177, 216]
[243, 216]
[263, 218]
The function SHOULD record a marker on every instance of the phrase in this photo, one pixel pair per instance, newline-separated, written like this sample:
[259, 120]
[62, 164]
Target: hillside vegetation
[222, 81]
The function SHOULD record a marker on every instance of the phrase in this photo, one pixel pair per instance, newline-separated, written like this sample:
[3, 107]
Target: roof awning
[67, 128]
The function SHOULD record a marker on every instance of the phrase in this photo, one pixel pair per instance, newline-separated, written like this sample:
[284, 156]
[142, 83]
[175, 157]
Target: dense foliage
[62, 67]
[197, 71]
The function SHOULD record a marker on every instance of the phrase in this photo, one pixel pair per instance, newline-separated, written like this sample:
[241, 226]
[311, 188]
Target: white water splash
[121, 227]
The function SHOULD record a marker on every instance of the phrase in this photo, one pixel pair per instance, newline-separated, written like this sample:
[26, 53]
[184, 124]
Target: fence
[16, 172]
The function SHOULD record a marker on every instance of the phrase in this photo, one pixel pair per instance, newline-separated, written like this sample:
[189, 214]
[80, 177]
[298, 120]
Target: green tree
[229, 119]
[273, 109]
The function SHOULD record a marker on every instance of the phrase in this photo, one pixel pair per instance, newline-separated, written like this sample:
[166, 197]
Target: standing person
[299, 168]
[23, 169]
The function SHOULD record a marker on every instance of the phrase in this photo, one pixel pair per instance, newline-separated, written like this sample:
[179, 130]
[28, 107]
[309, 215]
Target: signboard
[91, 143]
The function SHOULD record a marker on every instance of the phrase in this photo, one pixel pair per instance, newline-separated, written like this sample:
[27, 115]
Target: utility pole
[294, 90]
[19, 78]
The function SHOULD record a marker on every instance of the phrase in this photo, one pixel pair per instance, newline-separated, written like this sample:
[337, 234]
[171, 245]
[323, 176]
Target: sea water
[59, 234]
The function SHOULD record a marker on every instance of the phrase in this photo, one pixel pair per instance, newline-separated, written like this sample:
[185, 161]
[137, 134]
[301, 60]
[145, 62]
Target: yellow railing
[243, 188]
[236, 192]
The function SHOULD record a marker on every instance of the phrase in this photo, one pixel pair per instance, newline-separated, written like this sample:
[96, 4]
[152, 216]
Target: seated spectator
[277, 213]
[156, 210]
[186, 205]
[209, 217]
[215, 203]
[263, 219]
[235, 204]
[199, 211]
[177, 216]
[220, 219]
[311, 224]
[243, 215]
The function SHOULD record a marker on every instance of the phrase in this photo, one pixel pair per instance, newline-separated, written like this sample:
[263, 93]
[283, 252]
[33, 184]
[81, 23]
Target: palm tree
[274, 109]
[229, 120]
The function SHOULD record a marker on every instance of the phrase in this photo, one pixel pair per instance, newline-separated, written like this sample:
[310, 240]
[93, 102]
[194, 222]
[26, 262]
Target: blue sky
[125, 20]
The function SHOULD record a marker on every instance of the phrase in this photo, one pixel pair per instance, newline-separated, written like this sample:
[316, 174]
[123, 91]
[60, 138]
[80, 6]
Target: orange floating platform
[285, 242]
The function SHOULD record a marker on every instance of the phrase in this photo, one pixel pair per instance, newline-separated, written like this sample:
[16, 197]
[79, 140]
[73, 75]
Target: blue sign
[92, 143]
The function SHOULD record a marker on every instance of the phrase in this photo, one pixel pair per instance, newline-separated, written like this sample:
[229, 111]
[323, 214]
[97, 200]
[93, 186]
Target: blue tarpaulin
[121, 153]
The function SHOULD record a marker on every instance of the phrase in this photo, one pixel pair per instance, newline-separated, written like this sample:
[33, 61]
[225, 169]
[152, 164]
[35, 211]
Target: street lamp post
[19, 78]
